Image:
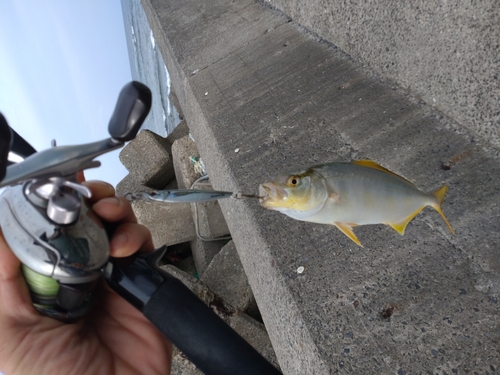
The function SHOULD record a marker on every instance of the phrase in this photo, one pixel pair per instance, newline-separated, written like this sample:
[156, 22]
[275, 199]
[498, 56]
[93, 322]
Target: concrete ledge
[447, 53]
[249, 80]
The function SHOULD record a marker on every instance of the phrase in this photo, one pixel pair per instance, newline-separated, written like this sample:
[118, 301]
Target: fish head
[304, 192]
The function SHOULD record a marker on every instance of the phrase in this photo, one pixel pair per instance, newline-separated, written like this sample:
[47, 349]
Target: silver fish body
[180, 195]
[347, 195]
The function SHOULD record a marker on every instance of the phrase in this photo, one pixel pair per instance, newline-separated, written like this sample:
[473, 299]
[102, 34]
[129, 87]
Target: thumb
[15, 300]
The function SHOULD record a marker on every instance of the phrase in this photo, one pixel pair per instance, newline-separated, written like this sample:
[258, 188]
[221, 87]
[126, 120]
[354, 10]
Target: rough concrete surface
[226, 278]
[445, 52]
[169, 223]
[179, 131]
[130, 184]
[255, 333]
[182, 150]
[153, 168]
[426, 302]
[203, 252]
[210, 220]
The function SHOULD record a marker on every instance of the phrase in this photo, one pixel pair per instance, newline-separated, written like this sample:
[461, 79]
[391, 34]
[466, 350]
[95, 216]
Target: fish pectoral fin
[400, 226]
[334, 197]
[347, 230]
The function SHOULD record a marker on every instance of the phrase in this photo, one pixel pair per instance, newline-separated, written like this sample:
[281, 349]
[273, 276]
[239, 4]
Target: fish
[347, 195]
[180, 195]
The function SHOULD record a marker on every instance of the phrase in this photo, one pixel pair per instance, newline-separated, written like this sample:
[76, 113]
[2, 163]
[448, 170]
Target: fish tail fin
[439, 194]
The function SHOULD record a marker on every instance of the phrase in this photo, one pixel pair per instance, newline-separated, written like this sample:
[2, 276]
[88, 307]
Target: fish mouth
[269, 193]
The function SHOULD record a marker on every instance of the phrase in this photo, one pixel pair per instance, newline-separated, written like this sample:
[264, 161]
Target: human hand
[114, 338]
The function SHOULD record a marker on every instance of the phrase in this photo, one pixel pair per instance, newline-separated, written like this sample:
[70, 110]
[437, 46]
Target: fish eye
[293, 181]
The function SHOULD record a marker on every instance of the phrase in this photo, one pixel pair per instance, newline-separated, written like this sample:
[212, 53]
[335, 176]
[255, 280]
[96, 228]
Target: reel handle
[132, 107]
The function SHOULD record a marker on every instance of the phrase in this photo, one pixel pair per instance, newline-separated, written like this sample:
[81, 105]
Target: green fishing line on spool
[42, 286]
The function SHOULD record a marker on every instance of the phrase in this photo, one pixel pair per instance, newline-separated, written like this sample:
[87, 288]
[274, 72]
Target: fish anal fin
[347, 230]
[373, 165]
[400, 226]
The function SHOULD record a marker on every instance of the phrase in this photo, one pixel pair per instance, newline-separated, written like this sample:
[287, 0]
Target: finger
[115, 209]
[99, 190]
[80, 177]
[15, 300]
[130, 237]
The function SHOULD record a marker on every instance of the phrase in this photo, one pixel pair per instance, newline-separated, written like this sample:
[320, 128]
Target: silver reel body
[62, 244]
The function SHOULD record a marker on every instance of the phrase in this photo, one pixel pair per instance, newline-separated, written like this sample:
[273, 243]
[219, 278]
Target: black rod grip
[5, 139]
[213, 346]
[205, 339]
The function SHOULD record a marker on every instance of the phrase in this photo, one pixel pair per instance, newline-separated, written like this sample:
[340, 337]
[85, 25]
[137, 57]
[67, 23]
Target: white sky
[62, 65]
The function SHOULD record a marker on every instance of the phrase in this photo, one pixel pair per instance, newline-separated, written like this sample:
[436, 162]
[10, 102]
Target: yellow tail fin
[439, 194]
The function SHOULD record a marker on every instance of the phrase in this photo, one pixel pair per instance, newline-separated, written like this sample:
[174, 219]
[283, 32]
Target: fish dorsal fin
[400, 226]
[347, 230]
[373, 165]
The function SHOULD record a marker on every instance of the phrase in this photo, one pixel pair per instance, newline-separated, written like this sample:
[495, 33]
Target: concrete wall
[261, 96]
[445, 52]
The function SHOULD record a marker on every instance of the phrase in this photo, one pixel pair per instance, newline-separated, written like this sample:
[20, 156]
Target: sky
[62, 66]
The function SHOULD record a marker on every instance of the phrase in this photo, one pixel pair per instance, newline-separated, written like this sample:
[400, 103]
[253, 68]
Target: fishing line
[196, 218]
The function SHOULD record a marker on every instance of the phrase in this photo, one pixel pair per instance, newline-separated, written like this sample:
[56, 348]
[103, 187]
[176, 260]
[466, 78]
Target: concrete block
[148, 159]
[182, 150]
[172, 185]
[180, 131]
[209, 219]
[254, 333]
[187, 265]
[169, 223]
[226, 277]
[130, 184]
[203, 252]
[190, 281]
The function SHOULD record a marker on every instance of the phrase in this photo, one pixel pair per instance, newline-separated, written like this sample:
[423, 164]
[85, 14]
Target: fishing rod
[64, 249]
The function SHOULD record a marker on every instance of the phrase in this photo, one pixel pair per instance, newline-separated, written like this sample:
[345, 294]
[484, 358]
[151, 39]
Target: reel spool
[64, 302]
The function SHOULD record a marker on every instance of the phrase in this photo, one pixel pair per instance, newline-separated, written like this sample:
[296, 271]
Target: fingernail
[118, 241]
